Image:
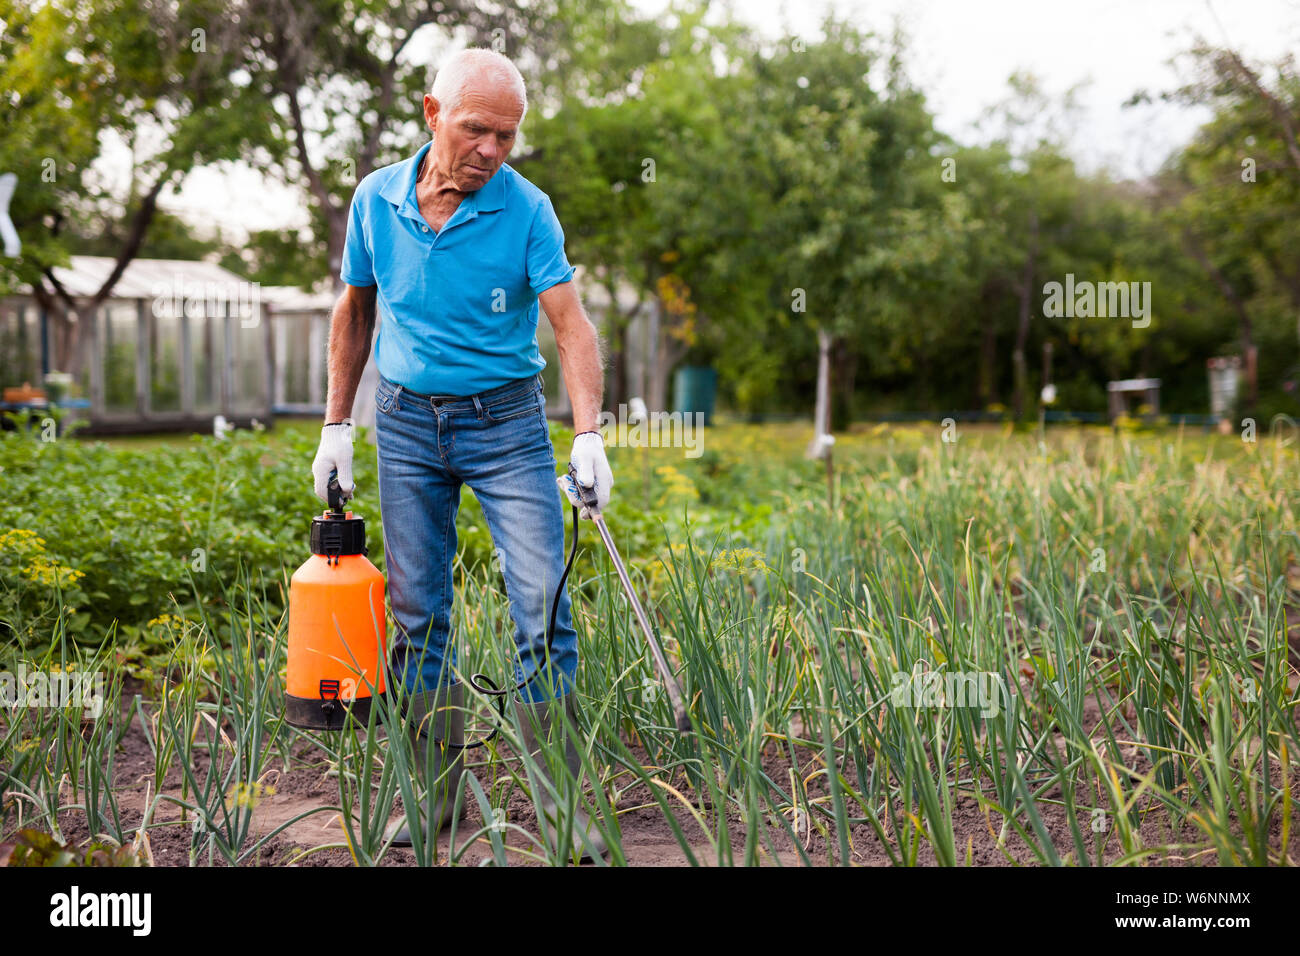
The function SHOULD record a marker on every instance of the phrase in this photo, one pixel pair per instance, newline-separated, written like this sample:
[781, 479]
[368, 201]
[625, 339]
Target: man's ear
[431, 113]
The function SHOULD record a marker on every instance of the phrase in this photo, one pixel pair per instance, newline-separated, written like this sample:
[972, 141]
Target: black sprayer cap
[337, 532]
[333, 535]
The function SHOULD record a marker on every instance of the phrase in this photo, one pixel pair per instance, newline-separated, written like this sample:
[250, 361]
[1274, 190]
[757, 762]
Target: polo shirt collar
[400, 188]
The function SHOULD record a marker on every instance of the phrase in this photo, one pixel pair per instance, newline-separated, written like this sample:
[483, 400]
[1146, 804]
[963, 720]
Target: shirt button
[425, 228]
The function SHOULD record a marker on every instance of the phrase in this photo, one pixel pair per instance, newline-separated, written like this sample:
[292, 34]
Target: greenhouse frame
[175, 345]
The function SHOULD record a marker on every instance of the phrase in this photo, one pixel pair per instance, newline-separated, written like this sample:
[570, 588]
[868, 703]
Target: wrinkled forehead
[491, 103]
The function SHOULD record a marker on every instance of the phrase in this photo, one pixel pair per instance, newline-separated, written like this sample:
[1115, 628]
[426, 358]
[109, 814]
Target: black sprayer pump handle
[335, 493]
[587, 494]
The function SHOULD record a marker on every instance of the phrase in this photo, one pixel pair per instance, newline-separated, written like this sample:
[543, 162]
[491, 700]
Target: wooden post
[822, 410]
[820, 446]
[1043, 393]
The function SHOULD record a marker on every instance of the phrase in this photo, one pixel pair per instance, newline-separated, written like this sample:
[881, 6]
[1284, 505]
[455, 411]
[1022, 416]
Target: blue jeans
[498, 443]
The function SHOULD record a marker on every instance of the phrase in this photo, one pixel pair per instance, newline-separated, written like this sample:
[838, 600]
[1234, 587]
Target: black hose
[486, 686]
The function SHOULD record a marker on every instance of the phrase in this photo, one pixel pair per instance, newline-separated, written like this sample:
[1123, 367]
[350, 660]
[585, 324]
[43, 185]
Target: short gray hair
[467, 65]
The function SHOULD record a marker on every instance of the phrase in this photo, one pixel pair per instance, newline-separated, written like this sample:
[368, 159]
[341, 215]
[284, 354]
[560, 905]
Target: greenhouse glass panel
[20, 345]
[83, 359]
[165, 362]
[118, 336]
[207, 357]
[250, 368]
[293, 331]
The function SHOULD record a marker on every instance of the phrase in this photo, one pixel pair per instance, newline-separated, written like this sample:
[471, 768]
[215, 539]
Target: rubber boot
[435, 718]
[539, 722]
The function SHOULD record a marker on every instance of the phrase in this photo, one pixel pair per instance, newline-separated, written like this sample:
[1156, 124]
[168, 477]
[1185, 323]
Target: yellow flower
[168, 621]
[33, 564]
[49, 573]
[247, 795]
[20, 539]
[740, 560]
[676, 485]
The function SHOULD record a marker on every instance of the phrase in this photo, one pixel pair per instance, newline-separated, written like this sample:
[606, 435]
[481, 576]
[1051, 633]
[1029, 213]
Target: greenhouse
[176, 344]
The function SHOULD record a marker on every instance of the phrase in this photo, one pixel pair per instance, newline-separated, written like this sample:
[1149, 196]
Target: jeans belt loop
[478, 408]
[397, 396]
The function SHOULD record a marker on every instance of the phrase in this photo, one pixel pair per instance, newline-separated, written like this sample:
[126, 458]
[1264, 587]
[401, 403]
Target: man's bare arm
[351, 328]
[579, 347]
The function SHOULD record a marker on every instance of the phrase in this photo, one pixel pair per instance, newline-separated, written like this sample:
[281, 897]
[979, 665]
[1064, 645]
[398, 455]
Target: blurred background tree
[756, 192]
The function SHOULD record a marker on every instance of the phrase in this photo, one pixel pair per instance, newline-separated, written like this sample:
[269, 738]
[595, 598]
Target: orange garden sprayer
[337, 650]
[336, 625]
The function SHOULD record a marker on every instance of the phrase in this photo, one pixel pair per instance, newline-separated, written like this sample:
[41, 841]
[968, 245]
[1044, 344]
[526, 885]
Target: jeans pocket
[514, 406]
[385, 396]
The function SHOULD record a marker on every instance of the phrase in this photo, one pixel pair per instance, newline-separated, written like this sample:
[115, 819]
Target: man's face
[472, 141]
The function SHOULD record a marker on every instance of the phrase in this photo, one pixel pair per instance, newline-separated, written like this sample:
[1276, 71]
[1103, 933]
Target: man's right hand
[335, 452]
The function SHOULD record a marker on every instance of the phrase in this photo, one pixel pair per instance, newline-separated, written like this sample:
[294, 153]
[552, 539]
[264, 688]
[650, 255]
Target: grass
[1104, 619]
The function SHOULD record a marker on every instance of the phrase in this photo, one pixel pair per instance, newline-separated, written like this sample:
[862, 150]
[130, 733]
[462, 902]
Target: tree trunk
[988, 364]
[618, 328]
[844, 367]
[336, 222]
[1245, 326]
[70, 319]
[822, 407]
[655, 387]
[1022, 327]
[668, 352]
[987, 394]
[616, 373]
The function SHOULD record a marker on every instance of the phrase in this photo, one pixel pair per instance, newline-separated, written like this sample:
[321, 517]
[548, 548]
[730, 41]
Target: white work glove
[590, 467]
[335, 452]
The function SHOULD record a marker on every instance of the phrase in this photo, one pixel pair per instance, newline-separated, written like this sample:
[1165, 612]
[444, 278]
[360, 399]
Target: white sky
[960, 53]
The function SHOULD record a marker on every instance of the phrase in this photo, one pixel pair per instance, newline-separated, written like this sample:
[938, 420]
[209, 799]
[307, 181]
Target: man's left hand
[590, 469]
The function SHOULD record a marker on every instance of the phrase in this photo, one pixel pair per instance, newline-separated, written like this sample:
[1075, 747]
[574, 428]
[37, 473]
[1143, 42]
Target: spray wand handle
[335, 494]
[588, 494]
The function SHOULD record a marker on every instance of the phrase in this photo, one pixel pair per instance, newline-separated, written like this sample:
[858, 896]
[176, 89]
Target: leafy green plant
[35, 848]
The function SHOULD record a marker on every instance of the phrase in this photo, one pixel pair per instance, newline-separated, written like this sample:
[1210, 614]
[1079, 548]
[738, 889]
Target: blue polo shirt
[457, 307]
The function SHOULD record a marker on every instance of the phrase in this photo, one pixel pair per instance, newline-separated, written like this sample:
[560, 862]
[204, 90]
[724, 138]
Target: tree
[1233, 193]
[618, 147]
[160, 79]
[855, 225]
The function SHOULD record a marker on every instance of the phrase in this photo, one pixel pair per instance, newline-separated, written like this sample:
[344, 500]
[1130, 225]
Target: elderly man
[455, 250]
